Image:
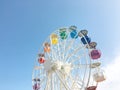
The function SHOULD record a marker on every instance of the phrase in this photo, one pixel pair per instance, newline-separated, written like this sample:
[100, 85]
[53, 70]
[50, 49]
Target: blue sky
[25, 24]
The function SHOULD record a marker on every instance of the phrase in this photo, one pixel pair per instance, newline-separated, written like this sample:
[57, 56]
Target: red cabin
[41, 60]
[91, 88]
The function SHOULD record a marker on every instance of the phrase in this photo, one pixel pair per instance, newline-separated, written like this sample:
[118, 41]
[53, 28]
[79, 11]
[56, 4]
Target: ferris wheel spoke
[64, 75]
[73, 60]
[47, 55]
[81, 65]
[58, 45]
[54, 82]
[46, 86]
[70, 44]
[65, 47]
[47, 83]
[78, 58]
[59, 51]
[42, 80]
[62, 80]
[73, 53]
[54, 56]
[73, 80]
[78, 83]
[52, 85]
[38, 67]
[41, 73]
[52, 53]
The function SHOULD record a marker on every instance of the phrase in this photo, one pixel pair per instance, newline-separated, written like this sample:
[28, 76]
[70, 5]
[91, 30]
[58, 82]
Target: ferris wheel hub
[50, 66]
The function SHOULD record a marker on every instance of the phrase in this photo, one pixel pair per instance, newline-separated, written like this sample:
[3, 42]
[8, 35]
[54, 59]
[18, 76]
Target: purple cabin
[36, 86]
[95, 54]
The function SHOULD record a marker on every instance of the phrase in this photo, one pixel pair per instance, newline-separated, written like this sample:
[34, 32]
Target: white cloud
[112, 71]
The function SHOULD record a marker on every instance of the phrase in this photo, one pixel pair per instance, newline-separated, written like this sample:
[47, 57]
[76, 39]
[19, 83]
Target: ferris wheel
[68, 60]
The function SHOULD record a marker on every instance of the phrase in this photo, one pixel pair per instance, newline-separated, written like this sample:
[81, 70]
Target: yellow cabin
[54, 39]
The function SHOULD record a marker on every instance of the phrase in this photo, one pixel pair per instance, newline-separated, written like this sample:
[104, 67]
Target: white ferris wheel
[68, 60]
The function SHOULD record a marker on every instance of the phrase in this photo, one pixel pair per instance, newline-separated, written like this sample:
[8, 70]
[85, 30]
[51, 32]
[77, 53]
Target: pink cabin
[95, 54]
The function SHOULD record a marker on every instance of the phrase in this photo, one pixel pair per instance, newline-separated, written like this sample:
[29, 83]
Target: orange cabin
[46, 47]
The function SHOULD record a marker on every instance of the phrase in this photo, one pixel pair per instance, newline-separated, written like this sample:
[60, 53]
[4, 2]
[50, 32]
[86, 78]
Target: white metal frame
[65, 51]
